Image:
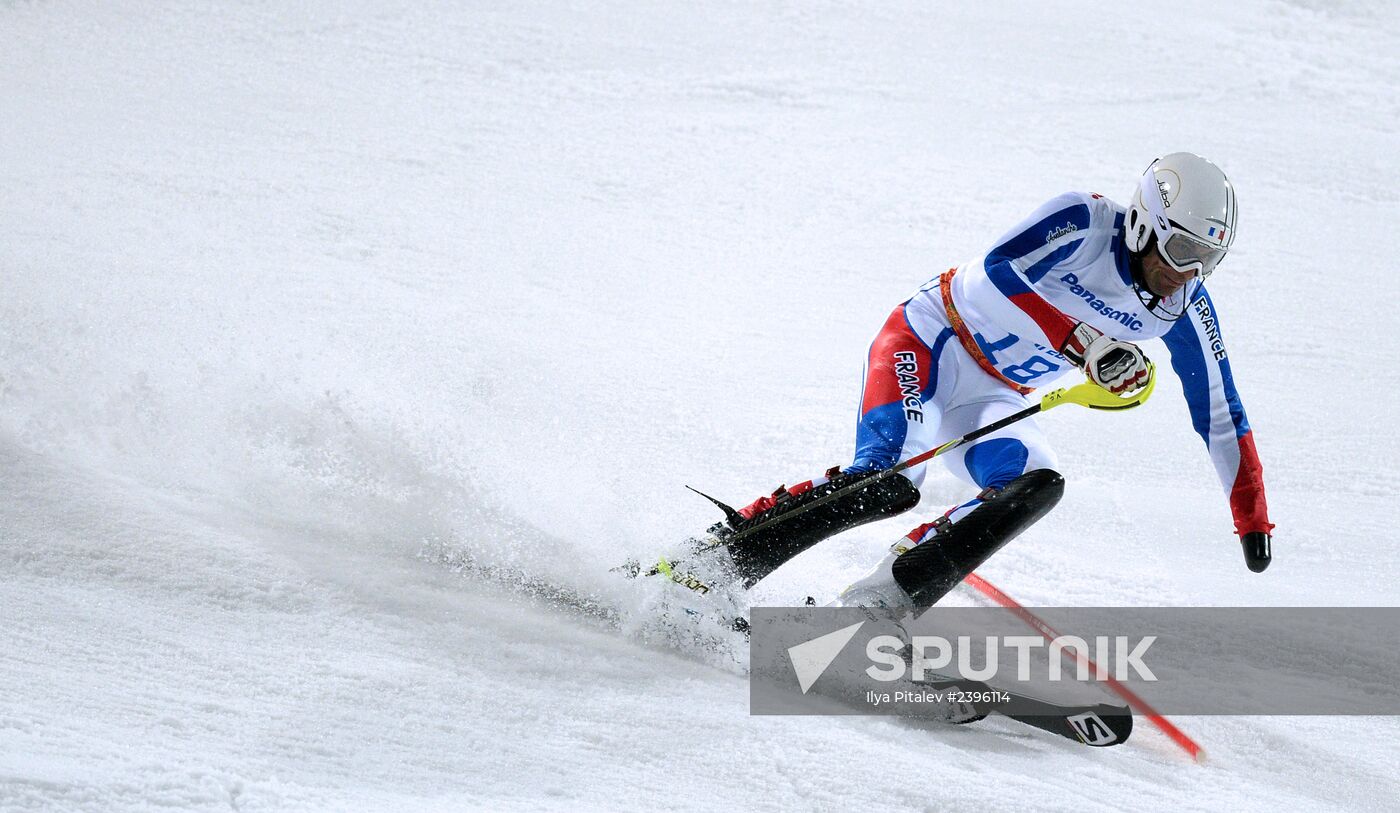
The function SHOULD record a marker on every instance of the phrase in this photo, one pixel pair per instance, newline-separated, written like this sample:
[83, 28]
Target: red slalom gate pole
[1038, 624]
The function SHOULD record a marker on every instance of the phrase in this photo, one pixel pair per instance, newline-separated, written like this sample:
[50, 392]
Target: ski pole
[1085, 394]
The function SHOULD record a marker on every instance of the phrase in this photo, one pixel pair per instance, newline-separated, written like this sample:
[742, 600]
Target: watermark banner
[1213, 660]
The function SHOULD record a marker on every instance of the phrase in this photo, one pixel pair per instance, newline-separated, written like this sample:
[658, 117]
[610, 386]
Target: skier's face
[1161, 278]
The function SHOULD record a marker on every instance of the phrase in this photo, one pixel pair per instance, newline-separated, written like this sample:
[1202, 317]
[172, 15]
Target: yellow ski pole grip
[1091, 395]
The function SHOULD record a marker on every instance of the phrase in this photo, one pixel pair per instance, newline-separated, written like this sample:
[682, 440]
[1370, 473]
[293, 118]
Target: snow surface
[301, 303]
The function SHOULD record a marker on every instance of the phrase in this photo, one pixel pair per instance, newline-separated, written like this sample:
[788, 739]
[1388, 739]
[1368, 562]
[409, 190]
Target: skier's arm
[1049, 237]
[1044, 241]
[1199, 358]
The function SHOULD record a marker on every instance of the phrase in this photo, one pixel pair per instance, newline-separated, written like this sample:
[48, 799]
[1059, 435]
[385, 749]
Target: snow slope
[296, 304]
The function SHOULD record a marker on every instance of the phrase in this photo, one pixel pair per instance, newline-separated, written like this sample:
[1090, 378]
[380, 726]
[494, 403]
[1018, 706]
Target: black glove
[1256, 550]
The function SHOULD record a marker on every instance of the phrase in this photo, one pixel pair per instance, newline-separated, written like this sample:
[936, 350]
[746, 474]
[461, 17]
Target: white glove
[1115, 365]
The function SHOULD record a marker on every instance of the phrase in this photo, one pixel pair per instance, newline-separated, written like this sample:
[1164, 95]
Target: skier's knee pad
[798, 522]
[933, 568]
[997, 462]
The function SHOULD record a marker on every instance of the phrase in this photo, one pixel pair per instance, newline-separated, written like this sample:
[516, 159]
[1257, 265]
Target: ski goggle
[1185, 253]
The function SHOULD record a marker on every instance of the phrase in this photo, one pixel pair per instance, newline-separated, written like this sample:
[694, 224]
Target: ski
[701, 592]
[1097, 725]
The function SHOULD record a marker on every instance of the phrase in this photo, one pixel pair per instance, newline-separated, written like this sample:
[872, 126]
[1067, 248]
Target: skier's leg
[999, 458]
[1015, 470]
[907, 382]
[933, 558]
[899, 418]
[940, 563]
[991, 463]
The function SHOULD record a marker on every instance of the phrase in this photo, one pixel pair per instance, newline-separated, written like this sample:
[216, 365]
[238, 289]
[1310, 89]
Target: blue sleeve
[1201, 362]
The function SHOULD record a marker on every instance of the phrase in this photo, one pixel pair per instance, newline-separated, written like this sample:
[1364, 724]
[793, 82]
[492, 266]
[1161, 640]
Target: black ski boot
[930, 570]
[759, 539]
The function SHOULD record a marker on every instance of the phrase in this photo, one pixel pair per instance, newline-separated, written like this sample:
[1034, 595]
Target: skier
[1076, 285]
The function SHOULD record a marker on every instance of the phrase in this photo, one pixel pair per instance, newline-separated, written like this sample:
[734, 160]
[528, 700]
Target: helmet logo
[1168, 184]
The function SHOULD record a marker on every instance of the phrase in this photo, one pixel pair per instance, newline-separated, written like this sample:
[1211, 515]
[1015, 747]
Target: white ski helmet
[1190, 205]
